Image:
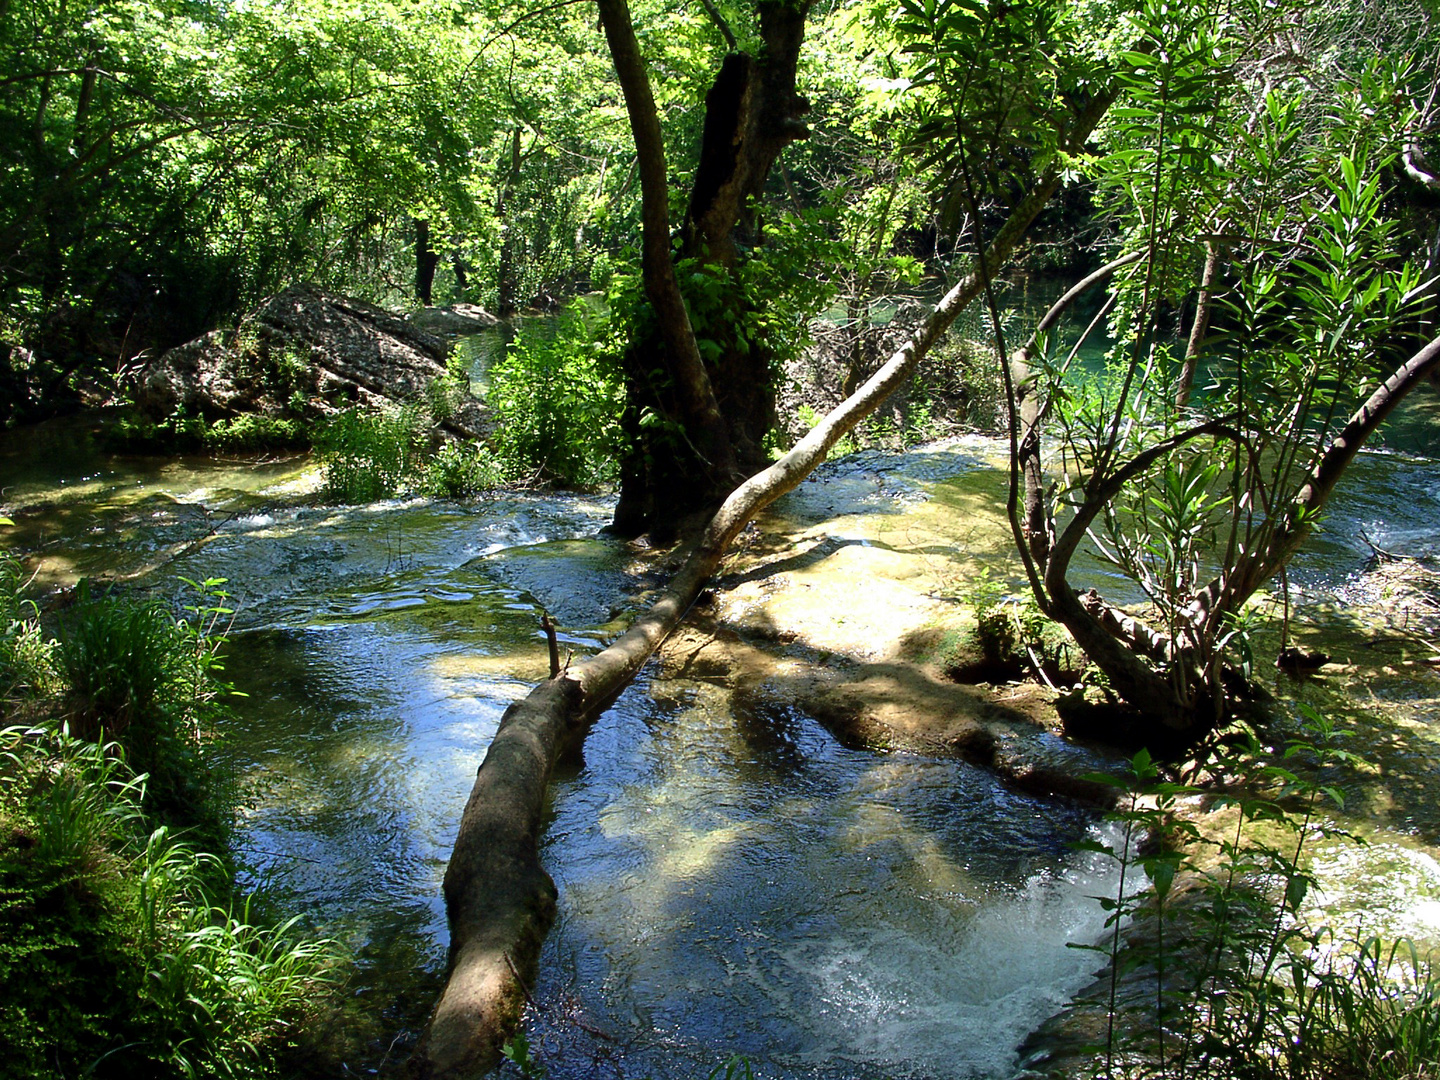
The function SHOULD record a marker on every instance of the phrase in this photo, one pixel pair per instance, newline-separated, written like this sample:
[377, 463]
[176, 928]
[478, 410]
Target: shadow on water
[742, 884]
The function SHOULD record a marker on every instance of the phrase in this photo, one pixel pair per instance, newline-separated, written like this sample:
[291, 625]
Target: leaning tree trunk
[752, 112]
[499, 899]
[672, 386]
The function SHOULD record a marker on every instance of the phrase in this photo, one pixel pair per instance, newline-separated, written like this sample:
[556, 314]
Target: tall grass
[114, 961]
[121, 954]
[147, 681]
[1215, 968]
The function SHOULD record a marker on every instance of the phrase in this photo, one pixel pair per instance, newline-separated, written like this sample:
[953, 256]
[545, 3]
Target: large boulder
[304, 352]
[456, 319]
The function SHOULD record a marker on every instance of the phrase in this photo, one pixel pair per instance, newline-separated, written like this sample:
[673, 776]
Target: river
[730, 881]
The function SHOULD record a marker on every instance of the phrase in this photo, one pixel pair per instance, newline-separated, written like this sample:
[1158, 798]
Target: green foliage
[151, 683]
[782, 290]
[27, 664]
[121, 659]
[517, 1051]
[366, 456]
[180, 432]
[444, 396]
[251, 433]
[1215, 968]
[460, 470]
[1013, 635]
[556, 399]
[113, 962]
[844, 446]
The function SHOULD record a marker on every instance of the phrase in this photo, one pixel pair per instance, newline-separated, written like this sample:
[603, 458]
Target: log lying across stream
[500, 900]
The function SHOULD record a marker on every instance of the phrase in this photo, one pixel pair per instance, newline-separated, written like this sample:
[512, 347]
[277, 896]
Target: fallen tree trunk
[499, 899]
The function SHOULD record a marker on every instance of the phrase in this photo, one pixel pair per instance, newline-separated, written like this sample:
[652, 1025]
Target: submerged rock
[303, 352]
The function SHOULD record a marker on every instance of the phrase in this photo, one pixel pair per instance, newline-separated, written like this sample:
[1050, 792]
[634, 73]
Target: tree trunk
[425, 262]
[680, 458]
[508, 284]
[499, 899]
[752, 112]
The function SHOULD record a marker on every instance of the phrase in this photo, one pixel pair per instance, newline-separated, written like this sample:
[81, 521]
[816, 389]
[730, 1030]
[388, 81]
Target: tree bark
[752, 113]
[694, 407]
[425, 262]
[1201, 325]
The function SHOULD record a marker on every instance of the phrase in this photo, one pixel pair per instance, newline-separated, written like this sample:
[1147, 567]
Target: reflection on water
[754, 888]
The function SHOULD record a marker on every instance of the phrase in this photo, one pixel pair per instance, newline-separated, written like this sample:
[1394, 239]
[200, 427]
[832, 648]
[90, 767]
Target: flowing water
[731, 880]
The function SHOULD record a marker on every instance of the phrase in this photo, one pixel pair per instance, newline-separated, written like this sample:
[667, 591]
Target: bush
[460, 470]
[251, 433]
[27, 665]
[557, 405]
[1220, 973]
[367, 456]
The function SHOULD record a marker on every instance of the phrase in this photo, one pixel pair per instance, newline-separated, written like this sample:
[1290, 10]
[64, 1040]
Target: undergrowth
[114, 959]
[557, 401]
[1217, 968]
[124, 952]
[556, 406]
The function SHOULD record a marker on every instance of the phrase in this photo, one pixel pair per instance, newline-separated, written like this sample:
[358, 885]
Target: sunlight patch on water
[1382, 888]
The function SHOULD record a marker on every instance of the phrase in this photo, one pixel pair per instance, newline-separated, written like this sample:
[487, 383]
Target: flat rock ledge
[456, 320]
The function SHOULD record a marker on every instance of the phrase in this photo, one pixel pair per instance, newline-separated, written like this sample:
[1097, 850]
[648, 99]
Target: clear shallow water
[730, 881]
[745, 885]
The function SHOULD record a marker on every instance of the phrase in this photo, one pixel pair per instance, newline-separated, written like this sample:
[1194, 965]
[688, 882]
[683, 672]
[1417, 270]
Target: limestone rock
[303, 352]
[456, 319]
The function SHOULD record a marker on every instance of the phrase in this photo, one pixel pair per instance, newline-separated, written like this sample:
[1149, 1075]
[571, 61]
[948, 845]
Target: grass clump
[115, 961]
[148, 682]
[122, 950]
[1217, 968]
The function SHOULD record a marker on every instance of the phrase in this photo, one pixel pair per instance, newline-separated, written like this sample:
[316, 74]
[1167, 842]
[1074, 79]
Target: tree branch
[719, 21]
[1229, 590]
